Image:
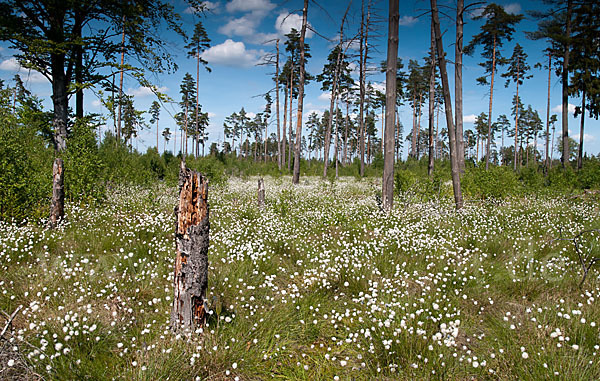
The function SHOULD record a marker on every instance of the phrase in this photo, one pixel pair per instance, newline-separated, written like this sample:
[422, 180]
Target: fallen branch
[9, 321]
[584, 260]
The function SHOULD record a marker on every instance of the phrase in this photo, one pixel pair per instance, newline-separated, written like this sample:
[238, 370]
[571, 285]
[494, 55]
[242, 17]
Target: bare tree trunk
[157, 135]
[517, 119]
[57, 206]
[197, 95]
[277, 102]
[261, 193]
[284, 134]
[489, 134]
[390, 107]
[121, 82]
[296, 176]
[289, 163]
[448, 105]
[580, 151]
[458, 85]
[347, 122]
[413, 147]
[548, 111]
[334, 88]
[191, 242]
[431, 103]
[565, 89]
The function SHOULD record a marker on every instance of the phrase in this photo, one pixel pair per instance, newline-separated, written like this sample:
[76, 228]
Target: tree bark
[296, 176]
[448, 105]
[57, 206]
[580, 151]
[517, 120]
[261, 192]
[121, 82]
[289, 163]
[431, 103]
[191, 261]
[413, 146]
[458, 85]
[565, 89]
[284, 134]
[333, 99]
[489, 132]
[548, 111]
[390, 107]
[277, 106]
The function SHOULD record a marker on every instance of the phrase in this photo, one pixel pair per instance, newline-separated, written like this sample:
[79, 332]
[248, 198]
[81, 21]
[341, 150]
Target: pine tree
[498, 27]
[517, 72]
[154, 116]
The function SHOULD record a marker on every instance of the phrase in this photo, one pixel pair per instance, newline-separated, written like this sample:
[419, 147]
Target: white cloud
[10, 64]
[586, 138]
[251, 114]
[407, 21]
[249, 6]
[558, 108]
[242, 26]
[211, 114]
[286, 21]
[512, 8]
[469, 118]
[27, 75]
[144, 91]
[231, 53]
[96, 103]
[325, 96]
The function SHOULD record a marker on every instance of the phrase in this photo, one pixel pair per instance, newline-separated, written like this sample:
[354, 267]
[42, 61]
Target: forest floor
[320, 284]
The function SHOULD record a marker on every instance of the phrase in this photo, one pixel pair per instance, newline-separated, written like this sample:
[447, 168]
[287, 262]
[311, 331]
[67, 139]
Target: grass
[317, 285]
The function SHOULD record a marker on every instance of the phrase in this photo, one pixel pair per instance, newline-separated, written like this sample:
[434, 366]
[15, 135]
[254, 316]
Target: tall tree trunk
[431, 103]
[192, 241]
[517, 119]
[284, 138]
[277, 106]
[565, 89]
[157, 136]
[337, 131]
[448, 105]
[489, 132]
[347, 122]
[548, 111]
[580, 151]
[289, 163]
[413, 147]
[60, 117]
[197, 94]
[364, 33]
[296, 176]
[458, 85]
[387, 183]
[121, 82]
[334, 87]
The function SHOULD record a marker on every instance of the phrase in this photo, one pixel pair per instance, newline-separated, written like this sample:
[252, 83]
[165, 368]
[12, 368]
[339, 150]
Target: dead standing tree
[191, 239]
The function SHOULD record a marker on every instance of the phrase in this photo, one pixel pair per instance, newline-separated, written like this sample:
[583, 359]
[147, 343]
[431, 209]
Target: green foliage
[404, 180]
[560, 179]
[589, 175]
[532, 179]
[496, 183]
[83, 165]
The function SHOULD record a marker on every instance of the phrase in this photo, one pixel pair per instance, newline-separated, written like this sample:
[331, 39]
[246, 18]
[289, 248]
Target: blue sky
[240, 29]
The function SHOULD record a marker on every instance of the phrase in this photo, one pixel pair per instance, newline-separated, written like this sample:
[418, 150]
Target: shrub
[497, 182]
[588, 176]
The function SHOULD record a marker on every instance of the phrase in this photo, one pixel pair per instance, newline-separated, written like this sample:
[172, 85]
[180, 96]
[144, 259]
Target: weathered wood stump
[191, 262]
[57, 206]
[261, 193]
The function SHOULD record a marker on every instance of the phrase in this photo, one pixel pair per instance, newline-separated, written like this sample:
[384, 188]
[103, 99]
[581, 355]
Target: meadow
[318, 284]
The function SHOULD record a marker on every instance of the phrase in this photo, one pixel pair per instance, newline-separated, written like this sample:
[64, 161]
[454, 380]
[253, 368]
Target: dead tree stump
[261, 193]
[191, 262]
[57, 206]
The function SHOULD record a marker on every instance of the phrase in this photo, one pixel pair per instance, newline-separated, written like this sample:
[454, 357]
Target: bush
[532, 180]
[83, 165]
[562, 180]
[404, 180]
[588, 176]
[497, 182]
